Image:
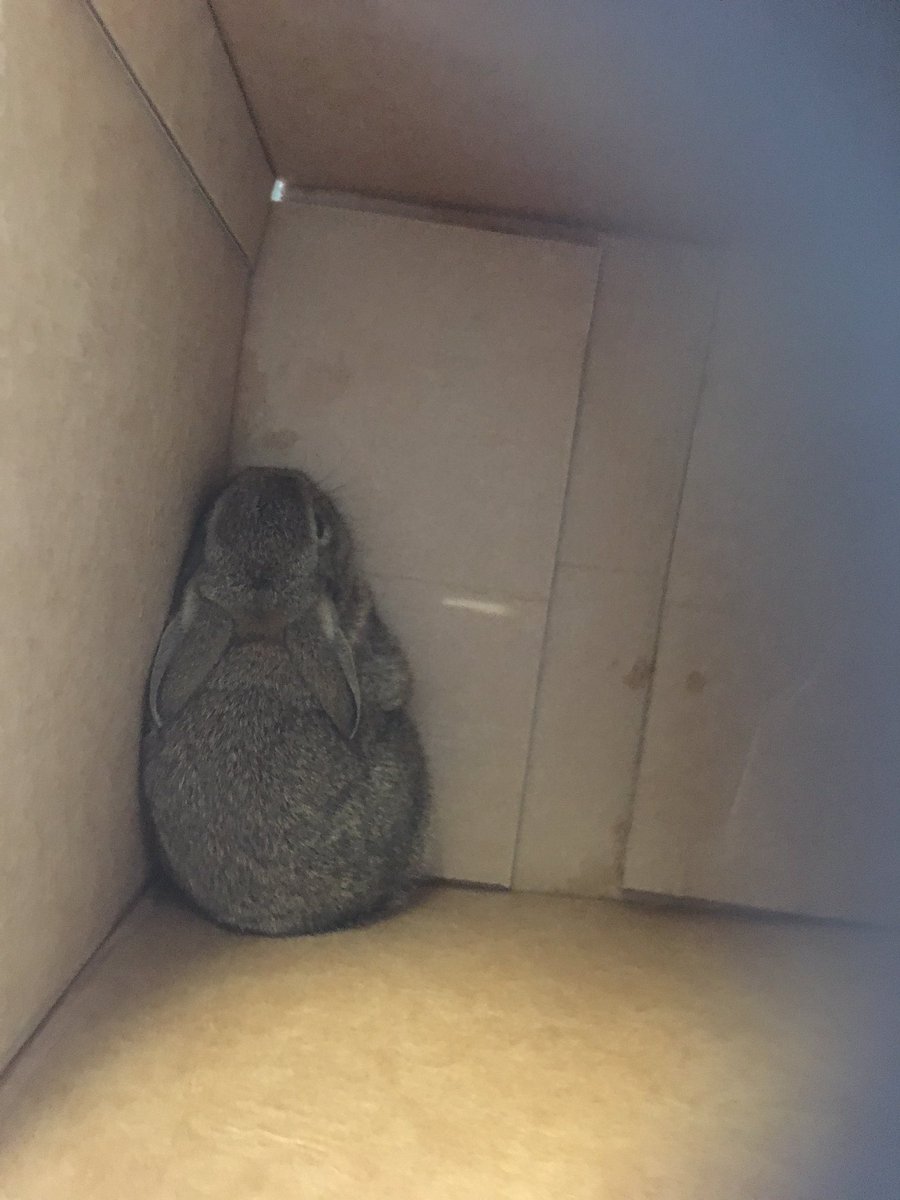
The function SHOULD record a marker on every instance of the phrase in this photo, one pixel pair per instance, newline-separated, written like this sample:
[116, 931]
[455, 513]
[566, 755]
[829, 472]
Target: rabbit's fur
[283, 778]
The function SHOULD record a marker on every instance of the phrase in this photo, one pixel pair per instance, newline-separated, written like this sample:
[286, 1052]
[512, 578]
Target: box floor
[479, 1045]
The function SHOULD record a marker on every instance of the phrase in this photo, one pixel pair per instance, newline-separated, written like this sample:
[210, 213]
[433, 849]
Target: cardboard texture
[480, 1046]
[770, 765]
[642, 380]
[514, 105]
[121, 320]
[703, 120]
[176, 53]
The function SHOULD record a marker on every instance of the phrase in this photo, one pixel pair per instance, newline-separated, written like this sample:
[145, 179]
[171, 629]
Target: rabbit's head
[275, 546]
[277, 565]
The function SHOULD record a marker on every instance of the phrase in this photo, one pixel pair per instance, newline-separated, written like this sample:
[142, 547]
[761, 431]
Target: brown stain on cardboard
[640, 674]
[327, 379]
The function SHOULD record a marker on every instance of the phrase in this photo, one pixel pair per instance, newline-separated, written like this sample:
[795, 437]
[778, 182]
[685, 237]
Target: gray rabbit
[283, 779]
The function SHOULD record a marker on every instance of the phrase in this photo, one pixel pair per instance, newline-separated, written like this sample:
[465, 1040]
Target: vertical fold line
[664, 592]
[542, 656]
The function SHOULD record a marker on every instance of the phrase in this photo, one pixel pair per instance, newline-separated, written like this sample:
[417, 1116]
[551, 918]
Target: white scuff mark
[487, 608]
[279, 187]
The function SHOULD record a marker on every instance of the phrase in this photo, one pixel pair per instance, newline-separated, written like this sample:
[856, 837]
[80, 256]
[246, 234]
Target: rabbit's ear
[326, 661]
[191, 645]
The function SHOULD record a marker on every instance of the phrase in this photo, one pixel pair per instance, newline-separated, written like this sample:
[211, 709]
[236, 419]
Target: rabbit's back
[270, 820]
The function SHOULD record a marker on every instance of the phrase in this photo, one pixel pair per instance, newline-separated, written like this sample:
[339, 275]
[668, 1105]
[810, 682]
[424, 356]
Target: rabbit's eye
[323, 533]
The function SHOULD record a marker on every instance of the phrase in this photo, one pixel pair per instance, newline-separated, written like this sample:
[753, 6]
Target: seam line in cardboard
[160, 121]
[702, 385]
[557, 563]
[251, 112]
